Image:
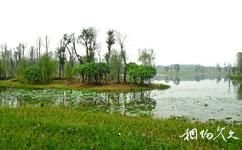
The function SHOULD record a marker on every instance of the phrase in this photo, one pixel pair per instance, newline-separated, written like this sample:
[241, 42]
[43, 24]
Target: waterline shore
[107, 87]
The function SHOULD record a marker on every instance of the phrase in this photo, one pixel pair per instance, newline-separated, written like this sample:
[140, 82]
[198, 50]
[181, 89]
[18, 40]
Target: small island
[67, 69]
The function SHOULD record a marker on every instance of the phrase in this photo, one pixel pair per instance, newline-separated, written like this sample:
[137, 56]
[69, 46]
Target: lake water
[203, 100]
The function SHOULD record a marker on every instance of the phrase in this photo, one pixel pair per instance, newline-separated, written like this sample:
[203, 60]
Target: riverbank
[62, 84]
[235, 77]
[82, 128]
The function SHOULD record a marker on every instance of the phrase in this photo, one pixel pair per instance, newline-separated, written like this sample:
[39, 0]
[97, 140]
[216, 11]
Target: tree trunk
[83, 78]
[118, 76]
[60, 71]
[125, 72]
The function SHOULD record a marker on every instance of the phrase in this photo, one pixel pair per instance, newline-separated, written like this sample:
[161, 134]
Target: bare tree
[67, 41]
[88, 40]
[23, 49]
[46, 44]
[38, 43]
[74, 41]
[31, 54]
[110, 41]
[20, 50]
[146, 57]
[120, 40]
[61, 58]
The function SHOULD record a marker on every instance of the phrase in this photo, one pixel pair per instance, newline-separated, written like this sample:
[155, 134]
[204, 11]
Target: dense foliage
[141, 73]
[47, 66]
[93, 72]
[41, 72]
[20, 68]
[115, 66]
[68, 71]
[32, 74]
[75, 57]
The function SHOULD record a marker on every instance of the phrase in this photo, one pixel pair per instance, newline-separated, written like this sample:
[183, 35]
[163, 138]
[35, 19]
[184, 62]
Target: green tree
[115, 65]
[132, 72]
[32, 74]
[80, 70]
[47, 67]
[22, 64]
[1, 69]
[92, 72]
[141, 73]
[239, 63]
[68, 71]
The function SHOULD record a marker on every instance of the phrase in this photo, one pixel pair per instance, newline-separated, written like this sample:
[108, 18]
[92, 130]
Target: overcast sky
[203, 32]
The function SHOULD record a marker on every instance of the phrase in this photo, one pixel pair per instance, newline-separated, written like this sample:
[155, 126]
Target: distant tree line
[176, 68]
[172, 68]
[32, 65]
[238, 68]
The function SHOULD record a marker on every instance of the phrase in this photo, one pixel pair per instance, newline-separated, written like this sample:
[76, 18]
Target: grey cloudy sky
[180, 31]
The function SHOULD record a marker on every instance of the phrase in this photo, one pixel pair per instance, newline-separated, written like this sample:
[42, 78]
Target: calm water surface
[203, 100]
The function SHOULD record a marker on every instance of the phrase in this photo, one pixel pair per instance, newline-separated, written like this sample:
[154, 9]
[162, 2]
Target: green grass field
[82, 128]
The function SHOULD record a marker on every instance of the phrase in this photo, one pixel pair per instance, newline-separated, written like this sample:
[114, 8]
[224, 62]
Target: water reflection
[126, 103]
[130, 103]
[218, 79]
[176, 79]
[238, 88]
[211, 99]
[167, 79]
[217, 98]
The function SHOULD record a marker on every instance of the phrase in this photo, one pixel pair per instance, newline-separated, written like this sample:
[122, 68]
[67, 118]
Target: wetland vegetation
[84, 128]
[71, 98]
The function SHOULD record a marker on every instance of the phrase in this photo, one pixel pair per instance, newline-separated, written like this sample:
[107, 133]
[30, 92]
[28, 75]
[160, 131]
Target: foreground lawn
[82, 128]
[62, 84]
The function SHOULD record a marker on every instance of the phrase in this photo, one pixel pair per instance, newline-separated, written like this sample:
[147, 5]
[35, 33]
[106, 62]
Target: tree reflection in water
[136, 103]
[238, 88]
[176, 80]
[127, 103]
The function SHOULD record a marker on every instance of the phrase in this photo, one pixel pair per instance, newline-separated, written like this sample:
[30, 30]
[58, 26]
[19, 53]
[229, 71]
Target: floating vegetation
[137, 103]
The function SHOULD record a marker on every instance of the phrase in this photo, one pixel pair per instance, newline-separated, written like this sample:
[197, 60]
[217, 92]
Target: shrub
[32, 74]
[21, 66]
[141, 73]
[48, 68]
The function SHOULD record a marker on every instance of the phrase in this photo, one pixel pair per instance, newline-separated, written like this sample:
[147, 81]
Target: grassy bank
[235, 77]
[62, 128]
[107, 87]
